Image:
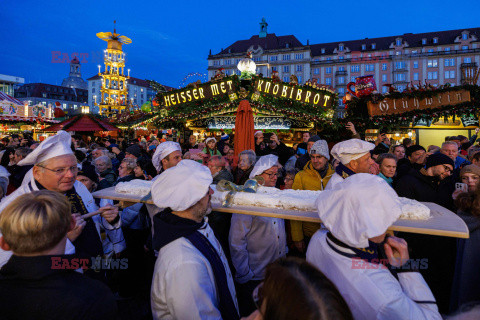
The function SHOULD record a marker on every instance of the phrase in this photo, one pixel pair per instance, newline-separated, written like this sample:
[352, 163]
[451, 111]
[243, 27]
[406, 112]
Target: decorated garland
[356, 108]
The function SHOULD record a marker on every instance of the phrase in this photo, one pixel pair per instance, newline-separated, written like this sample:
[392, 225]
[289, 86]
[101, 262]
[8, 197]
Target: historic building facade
[435, 57]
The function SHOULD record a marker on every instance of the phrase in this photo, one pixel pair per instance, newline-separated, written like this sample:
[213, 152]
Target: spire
[114, 26]
[263, 28]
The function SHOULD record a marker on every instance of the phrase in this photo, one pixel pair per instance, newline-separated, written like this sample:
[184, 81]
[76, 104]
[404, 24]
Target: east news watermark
[83, 57]
[95, 263]
[410, 264]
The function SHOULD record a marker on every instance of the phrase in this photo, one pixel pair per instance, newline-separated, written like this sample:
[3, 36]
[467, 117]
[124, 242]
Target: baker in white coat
[354, 157]
[358, 213]
[256, 241]
[192, 279]
[55, 169]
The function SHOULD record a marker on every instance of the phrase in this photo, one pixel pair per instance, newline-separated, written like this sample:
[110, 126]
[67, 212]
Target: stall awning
[6, 98]
[84, 123]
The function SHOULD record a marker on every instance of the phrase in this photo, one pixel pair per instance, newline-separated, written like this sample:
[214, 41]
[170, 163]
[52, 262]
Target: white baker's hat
[182, 186]
[352, 149]
[363, 206]
[54, 146]
[163, 150]
[264, 163]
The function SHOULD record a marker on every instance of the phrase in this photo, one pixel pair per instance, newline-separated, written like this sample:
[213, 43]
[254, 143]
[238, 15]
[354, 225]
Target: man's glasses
[62, 171]
[270, 175]
[447, 168]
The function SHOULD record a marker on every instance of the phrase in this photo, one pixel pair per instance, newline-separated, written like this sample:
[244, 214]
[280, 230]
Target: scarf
[343, 171]
[169, 227]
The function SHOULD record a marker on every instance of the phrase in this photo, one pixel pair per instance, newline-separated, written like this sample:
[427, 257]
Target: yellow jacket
[308, 179]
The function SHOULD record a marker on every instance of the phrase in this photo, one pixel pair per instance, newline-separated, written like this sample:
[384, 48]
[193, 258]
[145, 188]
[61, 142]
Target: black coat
[35, 288]
[440, 251]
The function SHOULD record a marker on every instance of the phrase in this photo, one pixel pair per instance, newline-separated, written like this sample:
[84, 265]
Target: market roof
[414, 40]
[6, 98]
[85, 123]
[131, 80]
[270, 42]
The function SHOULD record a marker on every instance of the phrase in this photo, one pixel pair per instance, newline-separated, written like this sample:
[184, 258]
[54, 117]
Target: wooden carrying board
[443, 222]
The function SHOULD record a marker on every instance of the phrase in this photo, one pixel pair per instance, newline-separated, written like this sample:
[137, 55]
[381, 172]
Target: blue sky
[171, 39]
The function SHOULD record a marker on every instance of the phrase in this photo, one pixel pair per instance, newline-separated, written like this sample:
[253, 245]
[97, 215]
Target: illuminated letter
[189, 95]
[291, 91]
[307, 97]
[229, 82]
[299, 94]
[195, 94]
[267, 86]
[200, 90]
[222, 87]
[276, 88]
[259, 85]
[383, 106]
[172, 98]
[214, 88]
[316, 99]
[284, 91]
[183, 97]
[404, 104]
[167, 101]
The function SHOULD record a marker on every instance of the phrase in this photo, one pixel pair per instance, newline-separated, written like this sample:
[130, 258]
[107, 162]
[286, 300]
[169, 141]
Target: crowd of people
[187, 261]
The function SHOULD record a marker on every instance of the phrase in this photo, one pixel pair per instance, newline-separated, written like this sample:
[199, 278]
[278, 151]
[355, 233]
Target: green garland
[263, 103]
[356, 109]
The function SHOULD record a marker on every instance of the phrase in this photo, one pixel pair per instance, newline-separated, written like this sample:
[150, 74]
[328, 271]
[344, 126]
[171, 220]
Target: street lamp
[247, 66]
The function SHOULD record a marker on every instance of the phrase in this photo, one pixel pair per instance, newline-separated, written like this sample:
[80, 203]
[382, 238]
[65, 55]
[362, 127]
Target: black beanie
[414, 148]
[135, 150]
[439, 158]
[314, 138]
[89, 172]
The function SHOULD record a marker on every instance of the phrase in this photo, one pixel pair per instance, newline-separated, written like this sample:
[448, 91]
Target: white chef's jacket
[372, 293]
[114, 233]
[336, 178]
[254, 243]
[183, 285]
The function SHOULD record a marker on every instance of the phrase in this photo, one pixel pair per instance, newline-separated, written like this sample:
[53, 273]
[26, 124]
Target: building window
[286, 68]
[432, 63]
[299, 79]
[341, 57]
[364, 47]
[467, 60]
[323, 50]
[447, 49]
[299, 67]
[424, 41]
[341, 68]
[341, 91]
[274, 69]
[328, 81]
[273, 58]
[328, 70]
[93, 90]
[430, 50]
[400, 77]
[355, 68]
[464, 48]
[316, 71]
[256, 59]
[341, 80]
[340, 47]
[352, 79]
[228, 62]
[216, 62]
[374, 46]
[298, 56]
[384, 66]
[435, 40]
[286, 79]
[286, 57]
[415, 76]
[227, 72]
[329, 58]
[400, 65]
[449, 62]
[415, 64]
[400, 88]
[384, 89]
[450, 74]
[369, 67]
[465, 36]
[399, 42]
[384, 77]
[432, 75]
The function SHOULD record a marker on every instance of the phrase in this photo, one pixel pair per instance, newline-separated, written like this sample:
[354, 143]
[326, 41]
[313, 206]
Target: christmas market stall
[18, 116]
[426, 114]
[85, 125]
[205, 109]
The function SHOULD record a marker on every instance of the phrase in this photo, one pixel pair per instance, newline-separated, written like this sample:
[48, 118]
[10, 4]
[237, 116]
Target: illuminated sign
[394, 106]
[295, 93]
[211, 90]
